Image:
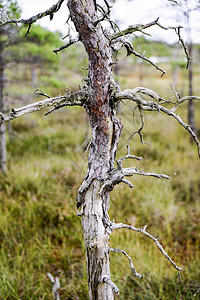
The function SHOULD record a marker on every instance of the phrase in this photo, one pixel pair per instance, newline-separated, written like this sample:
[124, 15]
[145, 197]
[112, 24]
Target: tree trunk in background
[191, 118]
[2, 126]
[94, 206]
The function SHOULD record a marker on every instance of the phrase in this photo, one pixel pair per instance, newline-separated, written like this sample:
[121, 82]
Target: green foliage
[37, 47]
[178, 63]
[41, 35]
[11, 8]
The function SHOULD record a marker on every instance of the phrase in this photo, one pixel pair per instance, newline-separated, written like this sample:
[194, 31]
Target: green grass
[40, 231]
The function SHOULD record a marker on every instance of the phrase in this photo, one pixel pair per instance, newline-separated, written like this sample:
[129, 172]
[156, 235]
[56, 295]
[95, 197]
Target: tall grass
[40, 231]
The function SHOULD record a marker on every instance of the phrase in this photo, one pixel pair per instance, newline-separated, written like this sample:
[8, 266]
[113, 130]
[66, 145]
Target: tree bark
[3, 166]
[96, 244]
[94, 205]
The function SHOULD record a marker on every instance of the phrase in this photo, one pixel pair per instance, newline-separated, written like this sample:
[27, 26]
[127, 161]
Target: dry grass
[39, 229]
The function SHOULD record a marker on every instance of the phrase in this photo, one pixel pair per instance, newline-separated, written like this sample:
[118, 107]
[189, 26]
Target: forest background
[40, 231]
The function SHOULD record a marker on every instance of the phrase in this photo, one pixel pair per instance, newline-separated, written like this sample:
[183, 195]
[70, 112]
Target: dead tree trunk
[2, 126]
[100, 97]
[101, 158]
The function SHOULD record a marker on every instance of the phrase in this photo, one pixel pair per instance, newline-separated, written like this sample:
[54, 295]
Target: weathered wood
[100, 97]
[102, 150]
[96, 244]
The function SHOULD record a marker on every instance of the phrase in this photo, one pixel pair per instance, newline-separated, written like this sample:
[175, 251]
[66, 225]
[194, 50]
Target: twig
[127, 156]
[133, 171]
[131, 29]
[55, 286]
[41, 93]
[48, 12]
[154, 106]
[116, 250]
[113, 286]
[28, 30]
[139, 131]
[177, 30]
[173, 1]
[130, 50]
[71, 42]
[143, 231]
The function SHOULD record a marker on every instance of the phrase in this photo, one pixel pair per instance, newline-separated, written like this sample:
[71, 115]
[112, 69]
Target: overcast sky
[124, 11]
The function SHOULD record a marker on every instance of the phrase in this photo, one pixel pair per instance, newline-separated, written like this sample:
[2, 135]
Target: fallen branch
[55, 286]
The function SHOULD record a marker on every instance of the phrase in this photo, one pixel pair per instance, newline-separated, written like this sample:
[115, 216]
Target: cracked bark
[100, 97]
[102, 154]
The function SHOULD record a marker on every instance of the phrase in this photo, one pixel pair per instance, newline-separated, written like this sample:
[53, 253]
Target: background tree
[8, 9]
[100, 96]
[185, 11]
[36, 51]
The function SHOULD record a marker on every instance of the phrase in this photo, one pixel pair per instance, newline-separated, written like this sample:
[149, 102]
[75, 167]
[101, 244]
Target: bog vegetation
[40, 231]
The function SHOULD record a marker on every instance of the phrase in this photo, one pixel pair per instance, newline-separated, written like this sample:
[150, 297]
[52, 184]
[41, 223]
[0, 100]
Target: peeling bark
[100, 97]
[96, 244]
[105, 134]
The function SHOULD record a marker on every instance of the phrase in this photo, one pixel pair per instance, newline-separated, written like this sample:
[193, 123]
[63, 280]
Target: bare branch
[127, 156]
[188, 98]
[70, 42]
[133, 171]
[148, 92]
[28, 30]
[177, 30]
[41, 93]
[117, 176]
[130, 50]
[55, 286]
[105, 14]
[174, 1]
[131, 29]
[49, 12]
[116, 250]
[139, 28]
[69, 99]
[139, 131]
[143, 231]
[113, 286]
[154, 106]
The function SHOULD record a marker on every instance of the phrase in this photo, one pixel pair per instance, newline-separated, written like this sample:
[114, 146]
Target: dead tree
[185, 9]
[100, 97]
